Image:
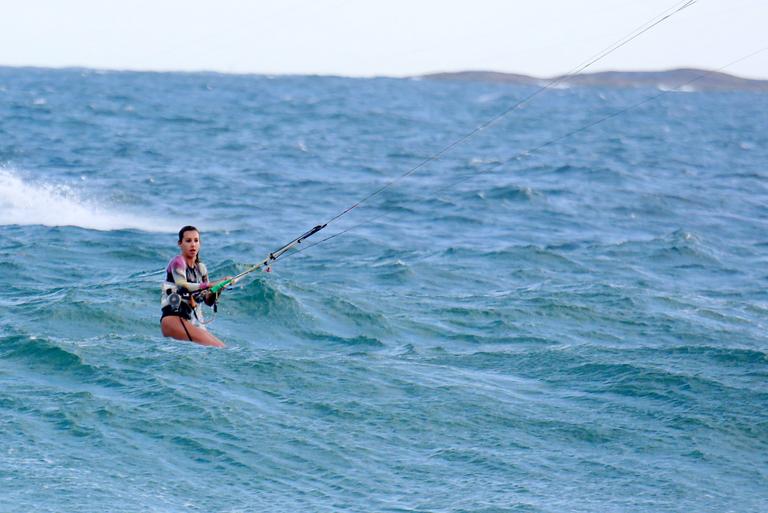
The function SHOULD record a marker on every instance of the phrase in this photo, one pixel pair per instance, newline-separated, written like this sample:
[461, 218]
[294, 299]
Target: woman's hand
[209, 297]
[232, 282]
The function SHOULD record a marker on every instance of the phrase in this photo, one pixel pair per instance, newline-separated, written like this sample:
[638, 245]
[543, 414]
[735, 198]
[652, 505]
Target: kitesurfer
[186, 284]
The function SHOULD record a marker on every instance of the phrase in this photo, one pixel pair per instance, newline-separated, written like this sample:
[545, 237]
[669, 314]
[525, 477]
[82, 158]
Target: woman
[186, 283]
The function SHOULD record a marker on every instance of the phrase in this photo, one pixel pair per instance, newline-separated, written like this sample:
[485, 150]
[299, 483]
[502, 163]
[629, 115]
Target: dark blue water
[580, 329]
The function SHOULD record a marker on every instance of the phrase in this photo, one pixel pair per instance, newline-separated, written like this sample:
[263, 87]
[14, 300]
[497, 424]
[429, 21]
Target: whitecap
[488, 98]
[24, 202]
[665, 88]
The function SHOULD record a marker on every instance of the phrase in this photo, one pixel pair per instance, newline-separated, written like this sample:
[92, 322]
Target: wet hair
[189, 228]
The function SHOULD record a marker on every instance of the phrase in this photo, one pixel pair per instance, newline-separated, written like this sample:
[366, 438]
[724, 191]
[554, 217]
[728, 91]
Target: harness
[180, 300]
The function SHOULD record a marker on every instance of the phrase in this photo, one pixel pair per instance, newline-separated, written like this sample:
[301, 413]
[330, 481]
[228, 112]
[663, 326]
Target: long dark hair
[189, 228]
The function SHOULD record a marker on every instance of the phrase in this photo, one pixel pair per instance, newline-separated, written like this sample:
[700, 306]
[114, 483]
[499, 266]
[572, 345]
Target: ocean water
[580, 328]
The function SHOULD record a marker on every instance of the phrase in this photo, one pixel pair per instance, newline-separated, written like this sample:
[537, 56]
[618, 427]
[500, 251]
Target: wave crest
[28, 203]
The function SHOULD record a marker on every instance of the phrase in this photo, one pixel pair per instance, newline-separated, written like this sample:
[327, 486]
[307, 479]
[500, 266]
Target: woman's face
[190, 244]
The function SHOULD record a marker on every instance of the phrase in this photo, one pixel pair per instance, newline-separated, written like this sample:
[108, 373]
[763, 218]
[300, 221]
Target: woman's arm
[179, 273]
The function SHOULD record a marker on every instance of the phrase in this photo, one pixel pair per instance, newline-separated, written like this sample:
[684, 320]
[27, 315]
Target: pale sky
[392, 37]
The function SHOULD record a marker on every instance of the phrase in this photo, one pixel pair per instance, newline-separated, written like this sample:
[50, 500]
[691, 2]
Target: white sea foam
[26, 202]
[676, 89]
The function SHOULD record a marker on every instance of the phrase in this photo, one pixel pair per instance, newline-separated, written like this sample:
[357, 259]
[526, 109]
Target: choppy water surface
[580, 329]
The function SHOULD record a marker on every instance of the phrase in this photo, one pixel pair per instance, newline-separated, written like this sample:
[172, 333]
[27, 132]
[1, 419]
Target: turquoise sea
[580, 328]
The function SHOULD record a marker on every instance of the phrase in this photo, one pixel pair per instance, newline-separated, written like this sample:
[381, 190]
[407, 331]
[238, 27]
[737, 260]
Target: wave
[24, 203]
[509, 192]
[724, 355]
[354, 341]
[266, 299]
[550, 255]
[355, 317]
[46, 354]
[678, 248]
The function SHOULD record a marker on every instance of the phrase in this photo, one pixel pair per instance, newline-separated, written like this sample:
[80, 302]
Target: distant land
[684, 79]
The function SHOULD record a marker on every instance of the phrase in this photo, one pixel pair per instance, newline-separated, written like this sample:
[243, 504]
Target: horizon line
[205, 71]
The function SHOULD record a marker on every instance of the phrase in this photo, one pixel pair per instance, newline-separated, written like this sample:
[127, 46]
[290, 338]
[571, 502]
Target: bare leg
[174, 327]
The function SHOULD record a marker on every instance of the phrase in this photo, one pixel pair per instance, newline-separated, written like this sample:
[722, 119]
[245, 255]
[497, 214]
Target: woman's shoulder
[203, 269]
[177, 262]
